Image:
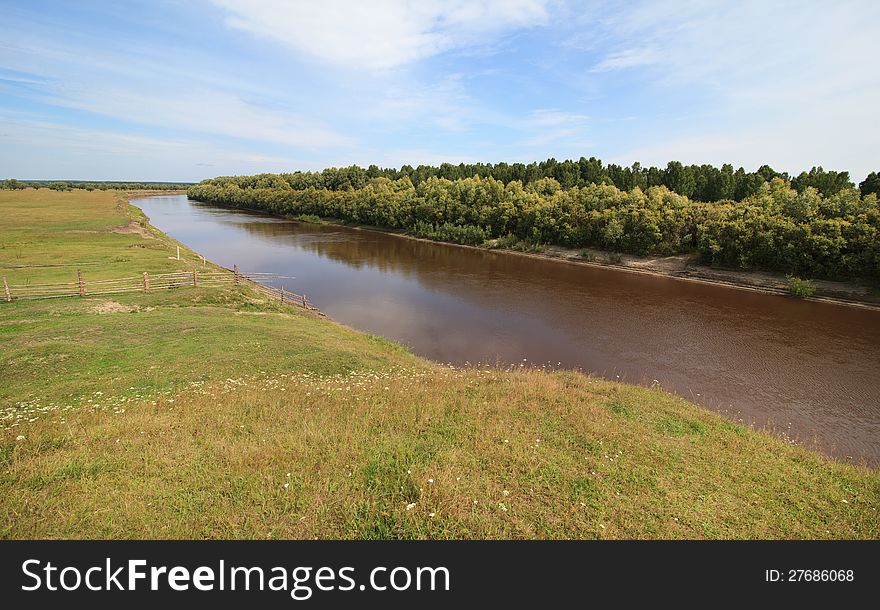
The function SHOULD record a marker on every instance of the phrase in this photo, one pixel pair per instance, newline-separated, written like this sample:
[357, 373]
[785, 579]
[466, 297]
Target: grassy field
[211, 413]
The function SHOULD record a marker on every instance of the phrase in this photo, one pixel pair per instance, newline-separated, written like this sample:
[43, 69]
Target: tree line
[103, 185]
[780, 226]
[697, 182]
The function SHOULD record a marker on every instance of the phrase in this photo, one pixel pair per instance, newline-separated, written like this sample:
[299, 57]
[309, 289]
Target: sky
[182, 91]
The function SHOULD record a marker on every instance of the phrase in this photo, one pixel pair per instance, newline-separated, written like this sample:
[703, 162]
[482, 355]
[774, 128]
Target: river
[808, 370]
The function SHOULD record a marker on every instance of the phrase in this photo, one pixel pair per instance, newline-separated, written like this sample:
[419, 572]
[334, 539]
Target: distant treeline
[697, 182]
[818, 229]
[66, 185]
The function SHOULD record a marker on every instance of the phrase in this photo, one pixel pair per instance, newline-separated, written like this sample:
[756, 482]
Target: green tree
[871, 184]
[679, 178]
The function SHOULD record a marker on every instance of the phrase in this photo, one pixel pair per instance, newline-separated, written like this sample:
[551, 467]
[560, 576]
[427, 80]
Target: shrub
[587, 255]
[800, 288]
[308, 218]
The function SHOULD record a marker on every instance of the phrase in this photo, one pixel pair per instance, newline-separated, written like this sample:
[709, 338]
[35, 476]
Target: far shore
[685, 267]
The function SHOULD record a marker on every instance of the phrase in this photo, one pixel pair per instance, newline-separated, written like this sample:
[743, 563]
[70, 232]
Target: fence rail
[148, 283]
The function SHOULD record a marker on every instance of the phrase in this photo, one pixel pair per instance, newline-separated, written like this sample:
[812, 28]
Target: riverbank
[209, 413]
[685, 267]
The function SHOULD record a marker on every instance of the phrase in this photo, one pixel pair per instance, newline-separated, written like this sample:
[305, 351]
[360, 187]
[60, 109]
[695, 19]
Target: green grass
[211, 413]
[39, 227]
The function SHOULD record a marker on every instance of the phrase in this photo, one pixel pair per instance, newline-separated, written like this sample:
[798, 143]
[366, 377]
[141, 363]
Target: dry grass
[420, 452]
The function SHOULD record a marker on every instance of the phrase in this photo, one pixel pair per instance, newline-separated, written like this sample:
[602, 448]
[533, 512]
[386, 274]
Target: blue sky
[163, 90]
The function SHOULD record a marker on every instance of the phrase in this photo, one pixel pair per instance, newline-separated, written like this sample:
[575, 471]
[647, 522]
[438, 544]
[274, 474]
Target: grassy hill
[196, 412]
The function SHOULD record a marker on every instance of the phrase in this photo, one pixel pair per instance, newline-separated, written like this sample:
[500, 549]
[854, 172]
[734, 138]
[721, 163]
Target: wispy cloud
[57, 150]
[562, 130]
[207, 111]
[786, 83]
[381, 34]
[165, 90]
[123, 85]
[630, 58]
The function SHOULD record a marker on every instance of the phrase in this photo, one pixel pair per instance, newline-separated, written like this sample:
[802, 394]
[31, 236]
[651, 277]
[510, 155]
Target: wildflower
[602, 526]
[20, 437]
[431, 481]
[431, 515]
[505, 493]
[410, 506]
[502, 506]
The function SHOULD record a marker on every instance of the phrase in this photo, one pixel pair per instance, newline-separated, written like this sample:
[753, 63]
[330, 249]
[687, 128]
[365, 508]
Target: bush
[801, 288]
[587, 255]
[313, 218]
[468, 235]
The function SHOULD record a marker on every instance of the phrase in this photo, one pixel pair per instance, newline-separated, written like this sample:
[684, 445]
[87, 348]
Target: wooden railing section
[279, 294]
[147, 282]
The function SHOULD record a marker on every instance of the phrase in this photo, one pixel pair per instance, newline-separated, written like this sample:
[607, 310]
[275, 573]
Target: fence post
[178, 252]
[235, 274]
[6, 287]
[146, 282]
[282, 295]
[305, 301]
[82, 284]
[195, 281]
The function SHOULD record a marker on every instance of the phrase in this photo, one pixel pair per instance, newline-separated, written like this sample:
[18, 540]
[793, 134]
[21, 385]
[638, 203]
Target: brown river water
[810, 371]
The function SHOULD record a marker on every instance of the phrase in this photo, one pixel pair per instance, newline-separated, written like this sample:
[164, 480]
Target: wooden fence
[257, 282]
[147, 283]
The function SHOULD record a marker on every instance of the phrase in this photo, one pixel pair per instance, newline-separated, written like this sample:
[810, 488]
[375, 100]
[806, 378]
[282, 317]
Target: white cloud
[791, 84]
[555, 130]
[207, 111]
[65, 151]
[123, 85]
[630, 58]
[384, 33]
